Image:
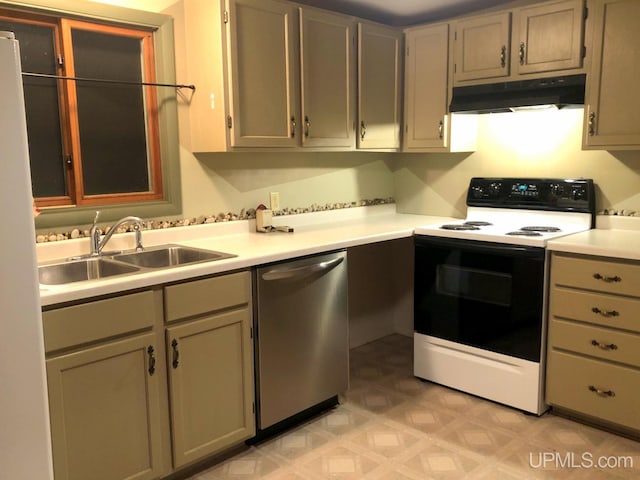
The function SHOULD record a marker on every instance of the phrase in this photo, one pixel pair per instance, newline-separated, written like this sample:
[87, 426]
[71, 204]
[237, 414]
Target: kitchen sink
[170, 256]
[80, 270]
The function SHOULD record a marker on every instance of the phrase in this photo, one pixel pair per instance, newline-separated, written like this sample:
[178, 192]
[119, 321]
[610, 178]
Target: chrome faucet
[98, 245]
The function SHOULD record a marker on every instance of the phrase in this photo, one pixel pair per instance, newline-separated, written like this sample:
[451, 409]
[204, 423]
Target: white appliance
[25, 444]
[480, 287]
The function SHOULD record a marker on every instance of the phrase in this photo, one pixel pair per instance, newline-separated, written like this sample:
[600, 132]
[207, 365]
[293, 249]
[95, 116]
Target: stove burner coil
[459, 227]
[525, 233]
[540, 229]
[477, 223]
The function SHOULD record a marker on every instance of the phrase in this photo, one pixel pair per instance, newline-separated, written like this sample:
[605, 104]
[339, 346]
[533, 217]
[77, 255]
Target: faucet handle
[138, 232]
[95, 236]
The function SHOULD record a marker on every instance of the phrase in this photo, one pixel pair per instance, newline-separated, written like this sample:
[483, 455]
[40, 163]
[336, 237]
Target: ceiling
[404, 12]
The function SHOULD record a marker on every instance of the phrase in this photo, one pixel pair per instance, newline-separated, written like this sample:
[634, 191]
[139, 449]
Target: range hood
[509, 96]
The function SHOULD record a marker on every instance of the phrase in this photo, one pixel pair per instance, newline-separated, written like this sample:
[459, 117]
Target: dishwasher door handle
[298, 272]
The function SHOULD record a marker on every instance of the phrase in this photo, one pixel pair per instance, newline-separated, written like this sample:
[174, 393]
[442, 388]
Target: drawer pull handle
[605, 313]
[602, 393]
[606, 278]
[604, 346]
[152, 360]
[176, 353]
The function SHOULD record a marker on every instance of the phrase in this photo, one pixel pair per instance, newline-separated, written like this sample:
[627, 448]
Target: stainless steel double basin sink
[77, 269]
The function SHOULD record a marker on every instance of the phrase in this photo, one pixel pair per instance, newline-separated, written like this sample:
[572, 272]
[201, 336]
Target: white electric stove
[480, 286]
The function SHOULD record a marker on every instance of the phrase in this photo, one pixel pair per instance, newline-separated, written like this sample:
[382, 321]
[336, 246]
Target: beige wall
[536, 144]
[513, 144]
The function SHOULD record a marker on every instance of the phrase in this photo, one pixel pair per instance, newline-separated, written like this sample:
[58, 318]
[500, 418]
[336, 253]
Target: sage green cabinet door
[105, 412]
[426, 88]
[612, 106]
[210, 363]
[482, 47]
[548, 37]
[328, 79]
[264, 82]
[379, 87]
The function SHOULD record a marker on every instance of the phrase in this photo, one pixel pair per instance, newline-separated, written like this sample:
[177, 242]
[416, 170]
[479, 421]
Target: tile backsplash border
[243, 214]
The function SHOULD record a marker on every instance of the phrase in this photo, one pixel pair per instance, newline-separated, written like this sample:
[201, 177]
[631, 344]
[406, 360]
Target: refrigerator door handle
[298, 272]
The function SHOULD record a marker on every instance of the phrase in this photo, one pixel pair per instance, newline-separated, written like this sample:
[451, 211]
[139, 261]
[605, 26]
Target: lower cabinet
[593, 358]
[210, 384]
[104, 394]
[125, 406]
[105, 412]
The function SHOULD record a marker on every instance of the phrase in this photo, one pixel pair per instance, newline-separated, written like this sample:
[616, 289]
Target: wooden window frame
[54, 24]
[151, 114]
[68, 104]
[161, 24]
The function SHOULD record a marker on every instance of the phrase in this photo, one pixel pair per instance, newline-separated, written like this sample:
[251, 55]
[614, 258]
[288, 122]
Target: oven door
[487, 295]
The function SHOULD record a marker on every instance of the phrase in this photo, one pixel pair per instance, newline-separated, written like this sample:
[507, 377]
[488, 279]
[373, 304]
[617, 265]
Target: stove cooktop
[522, 211]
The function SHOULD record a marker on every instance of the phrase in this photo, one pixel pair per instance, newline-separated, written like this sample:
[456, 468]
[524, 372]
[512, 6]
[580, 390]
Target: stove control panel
[533, 193]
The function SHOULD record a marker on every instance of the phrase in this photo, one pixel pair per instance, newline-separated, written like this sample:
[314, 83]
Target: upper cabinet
[482, 48]
[262, 58]
[327, 44]
[612, 104]
[541, 39]
[379, 87]
[428, 126]
[426, 87]
[271, 74]
[548, 37]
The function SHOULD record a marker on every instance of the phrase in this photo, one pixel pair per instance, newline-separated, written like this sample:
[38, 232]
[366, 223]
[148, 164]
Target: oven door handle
[480, 246]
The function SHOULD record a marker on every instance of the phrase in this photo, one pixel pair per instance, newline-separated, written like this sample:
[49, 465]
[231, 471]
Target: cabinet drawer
[595, 341]
[597, 308]
[571, 380]
[201, 296]
[89, 322]
[611, 276]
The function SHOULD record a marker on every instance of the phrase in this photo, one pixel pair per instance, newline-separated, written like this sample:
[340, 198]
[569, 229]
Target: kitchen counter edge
[252, 249]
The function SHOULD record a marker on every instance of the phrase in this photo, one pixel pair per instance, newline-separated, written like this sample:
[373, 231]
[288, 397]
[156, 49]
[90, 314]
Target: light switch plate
[274, 200]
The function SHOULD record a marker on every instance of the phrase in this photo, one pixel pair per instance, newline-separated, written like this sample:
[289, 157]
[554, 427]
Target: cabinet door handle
[521, 53]
[602, 393]
[176, 354]
[605, 313]
[363, 129]
[607, 278]
[441, 130]
[592, 124]
[604, 346]
[307, 126]
[152, 360]
[503, 56]
[293, 127]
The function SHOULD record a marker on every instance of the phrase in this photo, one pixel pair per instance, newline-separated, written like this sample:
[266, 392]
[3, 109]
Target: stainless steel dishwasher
[302, 346]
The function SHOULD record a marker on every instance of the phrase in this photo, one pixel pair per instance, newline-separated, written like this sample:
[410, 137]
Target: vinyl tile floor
[393, 426]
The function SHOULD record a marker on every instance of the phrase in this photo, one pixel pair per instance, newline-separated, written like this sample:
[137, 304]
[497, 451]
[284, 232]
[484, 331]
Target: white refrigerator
[25, 444]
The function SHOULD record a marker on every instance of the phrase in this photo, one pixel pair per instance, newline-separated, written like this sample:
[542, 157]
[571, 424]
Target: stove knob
[476, 192]
[494, 188]
[577, 194]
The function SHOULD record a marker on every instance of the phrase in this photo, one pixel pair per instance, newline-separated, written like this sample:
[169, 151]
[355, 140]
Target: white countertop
[614, 237]
[314, 233]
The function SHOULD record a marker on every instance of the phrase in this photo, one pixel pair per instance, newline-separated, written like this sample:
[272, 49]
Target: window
[111, 142]
[90, 142]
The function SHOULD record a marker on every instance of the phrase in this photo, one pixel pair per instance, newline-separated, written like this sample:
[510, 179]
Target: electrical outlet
[274, 200]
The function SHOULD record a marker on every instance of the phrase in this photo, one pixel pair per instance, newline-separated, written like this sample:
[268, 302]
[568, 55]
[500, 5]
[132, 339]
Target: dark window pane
[37, 54]
[112, 119]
